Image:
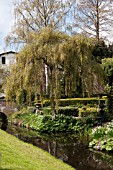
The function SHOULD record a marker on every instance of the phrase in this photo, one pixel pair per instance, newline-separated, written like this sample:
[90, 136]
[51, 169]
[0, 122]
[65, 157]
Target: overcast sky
[6, 21]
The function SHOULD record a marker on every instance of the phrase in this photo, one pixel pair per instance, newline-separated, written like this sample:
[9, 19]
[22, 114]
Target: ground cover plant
[102, 137]
[46, 123]
[17, 155]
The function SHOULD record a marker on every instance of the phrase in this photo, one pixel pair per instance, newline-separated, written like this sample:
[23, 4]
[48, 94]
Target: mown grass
[18, 155]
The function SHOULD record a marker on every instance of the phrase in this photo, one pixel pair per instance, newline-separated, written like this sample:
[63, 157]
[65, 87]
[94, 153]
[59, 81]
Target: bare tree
[32, 15]
[94, 17]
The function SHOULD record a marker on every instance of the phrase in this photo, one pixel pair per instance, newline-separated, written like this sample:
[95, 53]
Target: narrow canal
[70, 148]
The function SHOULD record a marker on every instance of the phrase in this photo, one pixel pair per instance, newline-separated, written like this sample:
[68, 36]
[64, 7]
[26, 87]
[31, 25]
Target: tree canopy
[34, 15]
[51, 57]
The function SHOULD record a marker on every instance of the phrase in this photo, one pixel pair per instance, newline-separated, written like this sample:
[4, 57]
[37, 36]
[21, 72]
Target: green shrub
[46, 124]
[77, 101]
[47, 110]
[98, 132]
[67, 111]
[109, 129]
[86, 111]
[102, 137]
[102, 144]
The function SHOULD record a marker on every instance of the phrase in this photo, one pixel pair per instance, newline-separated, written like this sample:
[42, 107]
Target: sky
[6, 22]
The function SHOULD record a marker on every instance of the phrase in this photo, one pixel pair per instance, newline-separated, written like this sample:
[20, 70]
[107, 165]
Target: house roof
[8, 52]
[2, 95]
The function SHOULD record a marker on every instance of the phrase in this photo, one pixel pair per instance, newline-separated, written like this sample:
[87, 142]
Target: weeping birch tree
[89, 69]
[64, 57]
[27, 75]
[80, 68]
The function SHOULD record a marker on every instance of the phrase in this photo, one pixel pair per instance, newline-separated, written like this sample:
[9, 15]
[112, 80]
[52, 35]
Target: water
[70, 148]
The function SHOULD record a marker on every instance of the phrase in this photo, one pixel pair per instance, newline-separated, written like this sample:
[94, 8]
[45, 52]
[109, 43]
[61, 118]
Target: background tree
[36, 14]
[107, 65]
[101, 51]
[94, 17]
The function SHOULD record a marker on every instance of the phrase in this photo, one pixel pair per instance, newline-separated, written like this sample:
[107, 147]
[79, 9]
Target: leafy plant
[98, 132]
[46, 124]
[102, 137]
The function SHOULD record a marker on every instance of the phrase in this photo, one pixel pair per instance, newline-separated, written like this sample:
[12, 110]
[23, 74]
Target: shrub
[77, 101]
[98, 132]
[102, 137]
[109, 129]
[46, 124]
[86, 111]
[67, 111]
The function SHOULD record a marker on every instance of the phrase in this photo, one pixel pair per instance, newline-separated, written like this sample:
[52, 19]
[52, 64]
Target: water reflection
[3, 121]
[4, 126]
[68, 147]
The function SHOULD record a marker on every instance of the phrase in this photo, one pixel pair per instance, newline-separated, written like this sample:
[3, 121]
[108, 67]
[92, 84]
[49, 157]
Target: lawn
[18, 155]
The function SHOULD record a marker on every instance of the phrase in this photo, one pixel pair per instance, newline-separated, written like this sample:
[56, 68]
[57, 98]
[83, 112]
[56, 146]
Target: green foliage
[46, 124]
[89, 121]
[77, 101]
[47, 110]
[3, 75]
[98, 132]
[67, 111]
[102, 137]
[109, 129]
[94, 112]
[102, 144]
[100, 51]
[44, 50]
[86, 111]
[107, 65]
[59, 52]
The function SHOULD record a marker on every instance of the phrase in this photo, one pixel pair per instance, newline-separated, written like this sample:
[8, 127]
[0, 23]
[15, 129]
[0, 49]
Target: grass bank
[18, 155]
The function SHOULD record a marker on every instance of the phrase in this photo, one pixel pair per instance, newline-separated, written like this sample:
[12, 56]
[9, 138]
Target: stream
[70, 148]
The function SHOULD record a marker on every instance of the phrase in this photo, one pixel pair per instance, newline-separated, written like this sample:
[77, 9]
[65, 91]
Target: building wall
[7, 59]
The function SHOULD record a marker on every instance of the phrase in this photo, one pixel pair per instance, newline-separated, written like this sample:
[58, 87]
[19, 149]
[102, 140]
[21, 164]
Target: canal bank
[70, 148]
[18, 155]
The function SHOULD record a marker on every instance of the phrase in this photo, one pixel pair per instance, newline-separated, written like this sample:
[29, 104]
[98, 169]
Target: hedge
[77, 101]
[67, 111]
